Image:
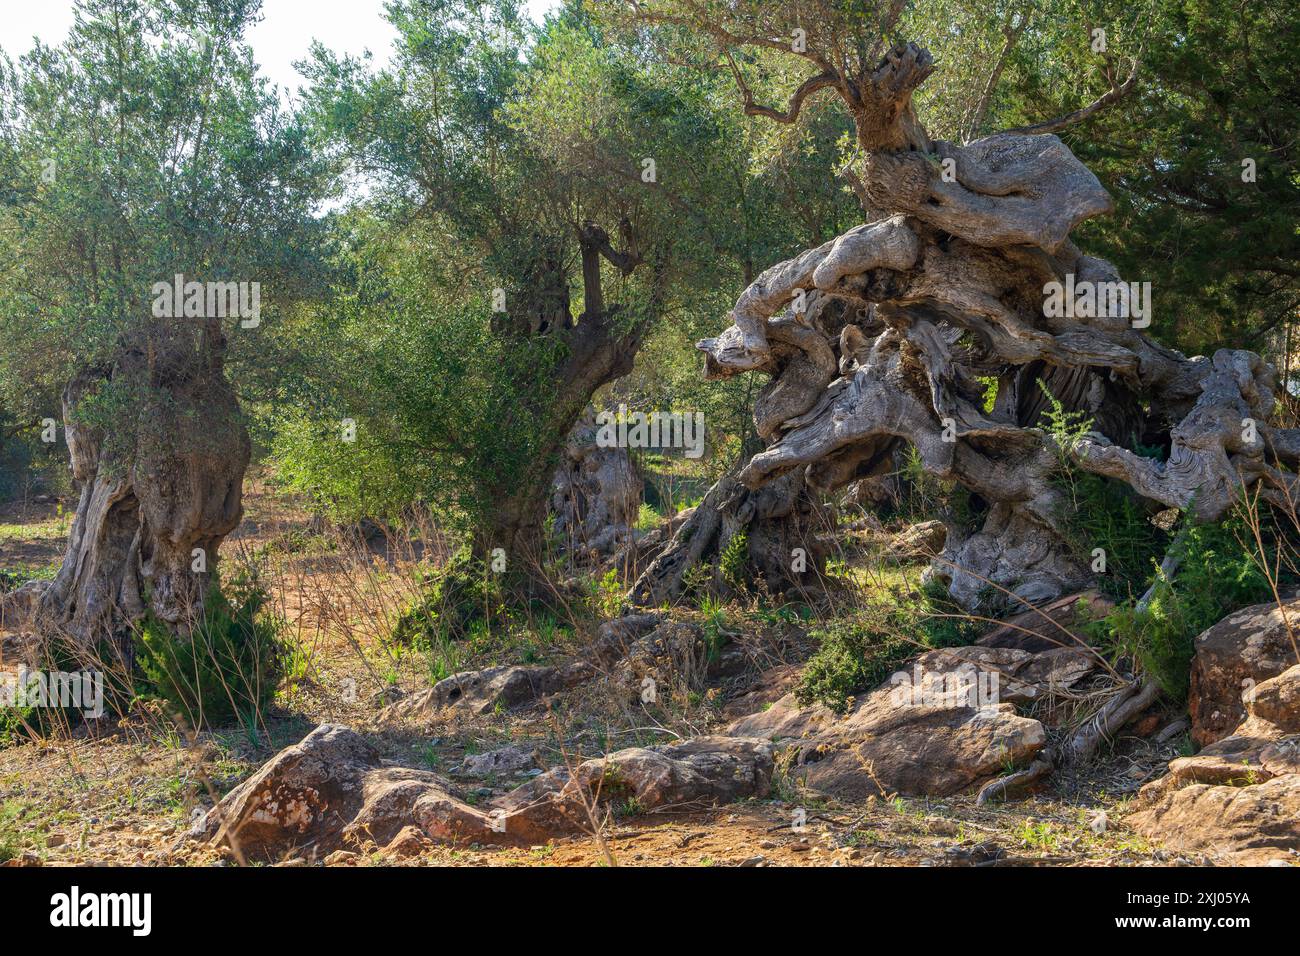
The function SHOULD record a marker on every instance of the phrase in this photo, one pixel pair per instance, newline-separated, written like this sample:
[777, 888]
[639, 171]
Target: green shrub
[733, 563]
[854, 653]
[1218, 574]
[14, 724]
[607, 594]
[715, 628]
[1101, 512]
[12, 829]
[860, 652]
[226, 669]
[648, 517]
[939, 619]
[1106, 514]
[454, 597]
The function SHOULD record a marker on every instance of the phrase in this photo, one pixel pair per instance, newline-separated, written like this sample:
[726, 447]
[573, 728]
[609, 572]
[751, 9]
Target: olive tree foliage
[1193, 131]
[535, 205]
[143, 147]
[455, 345]
[736, 192]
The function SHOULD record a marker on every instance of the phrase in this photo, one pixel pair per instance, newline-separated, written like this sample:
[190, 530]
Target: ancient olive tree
[892, 334]
[434, 136]
[156, 189]
[574, 197]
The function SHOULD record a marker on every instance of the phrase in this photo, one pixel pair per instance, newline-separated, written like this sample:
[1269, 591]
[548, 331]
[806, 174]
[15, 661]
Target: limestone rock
[674, 650]
[485, 691]
[1244, 825]
[693, 774]
[505, 760]
[1243, 649]
[919, 541]
[306, 793]
[411, 841]
[1238, 800]
[332, 790]
[937, 728]
[615, 637]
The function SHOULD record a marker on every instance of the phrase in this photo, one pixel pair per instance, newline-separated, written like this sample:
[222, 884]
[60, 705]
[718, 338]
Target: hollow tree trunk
[596, 493]
[160, 483]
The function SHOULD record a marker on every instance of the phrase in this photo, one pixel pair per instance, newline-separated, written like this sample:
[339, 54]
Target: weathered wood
[157, 496]
[950, 286]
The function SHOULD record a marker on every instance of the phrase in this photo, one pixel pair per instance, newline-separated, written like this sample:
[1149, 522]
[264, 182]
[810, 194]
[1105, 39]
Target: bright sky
[283, 36]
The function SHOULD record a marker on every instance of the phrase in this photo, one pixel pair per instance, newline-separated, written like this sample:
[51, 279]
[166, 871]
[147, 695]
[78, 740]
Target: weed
[226, 668]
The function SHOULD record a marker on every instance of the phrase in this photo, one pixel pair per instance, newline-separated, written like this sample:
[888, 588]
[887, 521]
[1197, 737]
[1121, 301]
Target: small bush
[940, 620]
[455, 596]
[1106, 514]
[1103, 513]
[733, 563]
[860, 652]
[1217, 575]
[12, 828]
[14, 724]
[854, 654]
[648, 517]
[227, 669]
[607, 594]
[715, 628]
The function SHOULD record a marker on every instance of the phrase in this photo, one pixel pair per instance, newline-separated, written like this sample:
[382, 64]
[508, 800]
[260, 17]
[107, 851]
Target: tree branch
[1113, 95]
[1011, 32]
[809, 86]
[595, 243]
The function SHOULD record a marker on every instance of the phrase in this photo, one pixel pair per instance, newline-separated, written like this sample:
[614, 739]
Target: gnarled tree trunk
[595, 494]
[597, 354]
[596, 351]
[782, 525]
[881, 336]
[159, 465]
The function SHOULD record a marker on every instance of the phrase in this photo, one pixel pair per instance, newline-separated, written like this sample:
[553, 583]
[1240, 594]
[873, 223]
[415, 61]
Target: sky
[283, 36]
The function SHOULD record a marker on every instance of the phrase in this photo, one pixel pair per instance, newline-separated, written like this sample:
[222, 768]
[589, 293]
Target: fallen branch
[1172, 730]
[1005, 786]
[1110, 719]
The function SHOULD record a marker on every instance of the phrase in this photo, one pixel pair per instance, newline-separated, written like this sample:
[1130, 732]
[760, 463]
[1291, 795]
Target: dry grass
[127, 796]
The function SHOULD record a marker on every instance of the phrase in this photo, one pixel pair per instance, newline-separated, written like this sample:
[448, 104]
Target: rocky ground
[538, 747]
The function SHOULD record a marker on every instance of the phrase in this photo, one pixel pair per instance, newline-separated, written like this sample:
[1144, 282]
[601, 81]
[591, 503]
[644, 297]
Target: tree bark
[160, 484]
[596, 352]
[782, 523]
[596, 494]
[881, 337]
